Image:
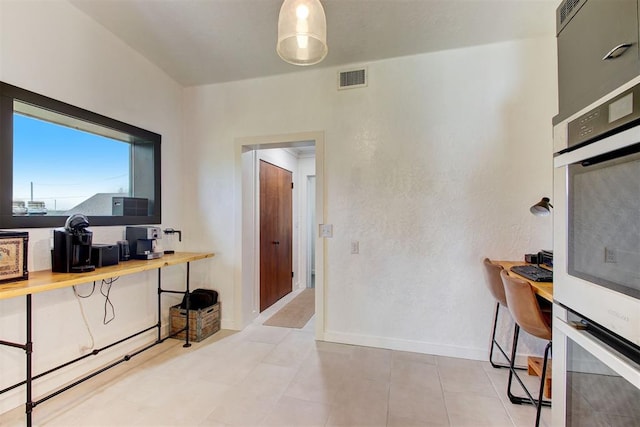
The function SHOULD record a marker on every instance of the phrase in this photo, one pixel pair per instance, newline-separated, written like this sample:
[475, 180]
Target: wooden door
[276, 254]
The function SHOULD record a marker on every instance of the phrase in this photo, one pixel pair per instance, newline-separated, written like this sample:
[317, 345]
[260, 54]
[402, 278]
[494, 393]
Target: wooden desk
[46, 280]
[42, 281]
[544, 289]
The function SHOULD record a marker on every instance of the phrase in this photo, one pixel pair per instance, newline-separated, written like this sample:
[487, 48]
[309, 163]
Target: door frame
[310, 231]
[247, 274]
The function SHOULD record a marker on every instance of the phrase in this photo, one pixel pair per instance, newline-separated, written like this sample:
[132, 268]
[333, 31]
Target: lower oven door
[596, 376]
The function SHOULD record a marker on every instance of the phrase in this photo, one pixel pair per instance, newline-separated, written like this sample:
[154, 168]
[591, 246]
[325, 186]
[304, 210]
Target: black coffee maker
[72, 246]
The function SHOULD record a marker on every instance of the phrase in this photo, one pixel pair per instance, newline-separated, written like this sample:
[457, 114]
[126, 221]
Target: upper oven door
[603, 218]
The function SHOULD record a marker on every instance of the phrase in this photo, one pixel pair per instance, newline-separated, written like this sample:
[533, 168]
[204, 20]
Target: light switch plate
[326, 230]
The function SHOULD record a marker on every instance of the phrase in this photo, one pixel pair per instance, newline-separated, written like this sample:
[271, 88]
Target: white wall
[51, 48]
[432, 167]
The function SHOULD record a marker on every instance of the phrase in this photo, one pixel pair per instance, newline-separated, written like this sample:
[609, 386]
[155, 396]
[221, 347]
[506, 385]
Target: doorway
[276, 234]
[247, 290]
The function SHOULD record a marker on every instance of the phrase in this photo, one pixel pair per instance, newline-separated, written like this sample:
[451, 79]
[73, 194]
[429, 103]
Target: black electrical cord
[107, 300]
[84, 317]
[75, 291]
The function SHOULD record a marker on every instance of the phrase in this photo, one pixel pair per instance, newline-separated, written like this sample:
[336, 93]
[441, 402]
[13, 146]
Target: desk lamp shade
[302, 32]
[542, 208]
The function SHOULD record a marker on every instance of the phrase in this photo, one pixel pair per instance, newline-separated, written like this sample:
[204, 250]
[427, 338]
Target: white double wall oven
[596, 325]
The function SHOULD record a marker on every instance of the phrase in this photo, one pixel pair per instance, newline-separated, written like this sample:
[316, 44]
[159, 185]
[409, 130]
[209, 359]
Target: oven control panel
[615, 115]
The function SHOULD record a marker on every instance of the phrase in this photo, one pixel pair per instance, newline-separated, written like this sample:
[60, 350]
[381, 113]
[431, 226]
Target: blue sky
[65, 165]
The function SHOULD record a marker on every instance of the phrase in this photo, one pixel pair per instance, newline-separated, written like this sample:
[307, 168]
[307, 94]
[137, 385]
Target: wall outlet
[610, 255]
[355, 247]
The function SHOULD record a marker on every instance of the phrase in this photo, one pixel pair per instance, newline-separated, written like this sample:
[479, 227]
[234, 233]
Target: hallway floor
[270, 376]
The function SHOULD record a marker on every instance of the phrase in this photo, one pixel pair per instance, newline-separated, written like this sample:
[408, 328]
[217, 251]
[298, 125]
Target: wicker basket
[202, 323]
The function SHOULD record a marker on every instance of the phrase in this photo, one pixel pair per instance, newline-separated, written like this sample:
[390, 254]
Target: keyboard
[533, 272]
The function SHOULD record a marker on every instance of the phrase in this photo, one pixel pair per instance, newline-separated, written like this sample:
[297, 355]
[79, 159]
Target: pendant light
[302, 32]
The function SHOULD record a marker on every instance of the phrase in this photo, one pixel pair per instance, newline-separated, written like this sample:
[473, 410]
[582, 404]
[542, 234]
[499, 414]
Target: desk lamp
[542, 208]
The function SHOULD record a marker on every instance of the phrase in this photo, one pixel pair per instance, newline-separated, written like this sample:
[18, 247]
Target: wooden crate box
[202, 323]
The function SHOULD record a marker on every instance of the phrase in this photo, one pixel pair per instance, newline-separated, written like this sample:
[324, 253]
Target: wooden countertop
[544, 289]
[46, 280]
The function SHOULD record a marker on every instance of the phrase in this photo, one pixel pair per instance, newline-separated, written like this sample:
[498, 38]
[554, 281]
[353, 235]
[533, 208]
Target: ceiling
[200, 42]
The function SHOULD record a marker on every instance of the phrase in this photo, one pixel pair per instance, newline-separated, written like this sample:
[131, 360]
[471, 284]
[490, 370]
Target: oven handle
[609, 144]
[617, 51]
[625, 367]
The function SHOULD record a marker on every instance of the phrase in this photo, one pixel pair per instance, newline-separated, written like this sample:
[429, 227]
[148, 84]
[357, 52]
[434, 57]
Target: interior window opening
[58, 160]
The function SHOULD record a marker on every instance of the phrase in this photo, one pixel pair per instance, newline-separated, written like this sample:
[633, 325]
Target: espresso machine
[143, 241]
[72, 246]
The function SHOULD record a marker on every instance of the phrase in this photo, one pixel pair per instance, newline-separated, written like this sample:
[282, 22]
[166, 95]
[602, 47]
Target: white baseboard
[406, 345]
[229, 324]
[481, 354]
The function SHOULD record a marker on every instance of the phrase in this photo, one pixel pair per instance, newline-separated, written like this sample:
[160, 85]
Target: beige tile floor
[269, 376]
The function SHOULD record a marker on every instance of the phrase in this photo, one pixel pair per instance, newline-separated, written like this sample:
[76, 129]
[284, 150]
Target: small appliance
[104, 255]
[72, 246]
[123, 249]
[143, 241]
[170, 232]
[543, 257]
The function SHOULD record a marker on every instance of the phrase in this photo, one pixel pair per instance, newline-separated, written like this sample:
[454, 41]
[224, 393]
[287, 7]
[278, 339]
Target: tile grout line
[444, 400]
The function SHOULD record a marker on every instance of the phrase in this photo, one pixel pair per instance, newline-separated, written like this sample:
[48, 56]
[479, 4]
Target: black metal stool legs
[494, 344]
[543, 375]
[514, 399]
[539, 402]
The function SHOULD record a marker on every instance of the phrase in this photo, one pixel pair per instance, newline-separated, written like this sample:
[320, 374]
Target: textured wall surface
[431, 167]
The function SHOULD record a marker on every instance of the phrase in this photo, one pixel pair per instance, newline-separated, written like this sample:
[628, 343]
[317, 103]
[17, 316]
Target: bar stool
[496, 288]
[527, 314]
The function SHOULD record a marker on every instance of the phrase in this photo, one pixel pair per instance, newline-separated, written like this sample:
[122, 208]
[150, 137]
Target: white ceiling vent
[350, 79]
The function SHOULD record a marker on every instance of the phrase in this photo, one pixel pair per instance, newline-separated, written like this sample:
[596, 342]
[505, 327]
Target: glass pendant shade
[302, 32]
